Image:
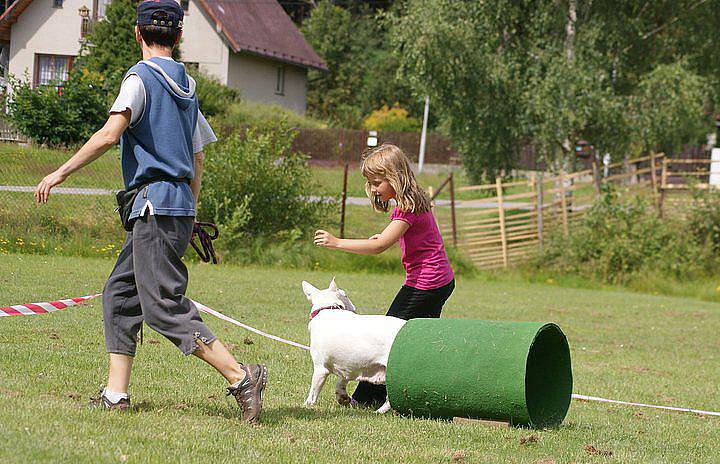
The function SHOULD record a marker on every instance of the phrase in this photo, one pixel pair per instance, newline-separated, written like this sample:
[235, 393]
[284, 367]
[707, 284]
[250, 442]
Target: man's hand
[42, 191]
[325, 239]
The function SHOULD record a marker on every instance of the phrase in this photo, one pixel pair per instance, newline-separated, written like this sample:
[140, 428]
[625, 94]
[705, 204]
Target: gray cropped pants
[148, 283]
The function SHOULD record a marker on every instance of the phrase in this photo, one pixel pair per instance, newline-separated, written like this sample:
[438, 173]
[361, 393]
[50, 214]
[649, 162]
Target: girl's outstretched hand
[325, 239]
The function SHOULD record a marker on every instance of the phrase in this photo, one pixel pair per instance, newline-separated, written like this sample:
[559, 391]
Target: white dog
[352, 346]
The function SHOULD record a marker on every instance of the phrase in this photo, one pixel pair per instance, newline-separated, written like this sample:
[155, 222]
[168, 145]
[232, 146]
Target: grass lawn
[624, 345]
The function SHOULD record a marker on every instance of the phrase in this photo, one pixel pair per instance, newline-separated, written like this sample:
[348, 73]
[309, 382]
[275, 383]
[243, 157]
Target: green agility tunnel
[518, 372]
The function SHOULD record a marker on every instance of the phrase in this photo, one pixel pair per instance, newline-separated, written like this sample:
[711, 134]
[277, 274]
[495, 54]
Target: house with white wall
[251, 46]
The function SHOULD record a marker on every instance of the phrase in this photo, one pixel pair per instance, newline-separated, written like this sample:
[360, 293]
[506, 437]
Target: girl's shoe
[248, 391]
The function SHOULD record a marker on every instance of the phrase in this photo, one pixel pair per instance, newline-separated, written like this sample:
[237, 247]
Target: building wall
[256, 78]
[42, 29]
[203, 45]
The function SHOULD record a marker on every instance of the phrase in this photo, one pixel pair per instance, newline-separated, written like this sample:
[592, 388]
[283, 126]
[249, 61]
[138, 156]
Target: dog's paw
[344, 400]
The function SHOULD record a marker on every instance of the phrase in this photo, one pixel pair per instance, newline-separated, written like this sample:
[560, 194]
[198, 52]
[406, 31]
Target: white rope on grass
[31, 309]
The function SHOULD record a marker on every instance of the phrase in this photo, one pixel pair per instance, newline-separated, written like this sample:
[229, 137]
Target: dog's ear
[333, 285]
[309, 290]
[346, 301]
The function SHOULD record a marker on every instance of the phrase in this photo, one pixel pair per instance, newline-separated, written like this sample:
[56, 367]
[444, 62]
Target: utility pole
[423, 134]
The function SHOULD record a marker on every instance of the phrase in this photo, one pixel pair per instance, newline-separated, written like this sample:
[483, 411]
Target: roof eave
[283, 58]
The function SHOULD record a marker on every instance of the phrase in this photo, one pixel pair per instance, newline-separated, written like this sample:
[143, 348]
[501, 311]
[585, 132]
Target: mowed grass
[624, 345]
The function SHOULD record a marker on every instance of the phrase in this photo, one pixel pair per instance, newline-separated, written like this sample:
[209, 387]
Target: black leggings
[409, 303]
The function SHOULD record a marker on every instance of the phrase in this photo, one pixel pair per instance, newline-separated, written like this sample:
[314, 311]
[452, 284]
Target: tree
[507, 73]
[110, 48]
[353, 44]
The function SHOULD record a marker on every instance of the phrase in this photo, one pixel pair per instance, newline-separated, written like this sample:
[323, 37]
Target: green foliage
[615, 242]
[704, 219]
[354, 46]
[214, 98]
[669, 107]
[110, 48]
[504, 74]
[393, 119]
[60, 118]
[245, 113]
[256, 186]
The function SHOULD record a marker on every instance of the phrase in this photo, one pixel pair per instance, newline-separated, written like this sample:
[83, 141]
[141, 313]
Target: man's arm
[99, 143]
[197, 180]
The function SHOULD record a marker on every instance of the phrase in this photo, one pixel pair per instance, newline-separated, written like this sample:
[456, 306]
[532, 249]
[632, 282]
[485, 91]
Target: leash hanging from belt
[208, 252]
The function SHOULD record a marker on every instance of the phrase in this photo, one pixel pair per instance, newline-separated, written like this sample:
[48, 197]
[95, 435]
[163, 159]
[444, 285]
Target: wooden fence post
[539, 207]
[452, 210]
[344, 200]
[501, 213]
[653, 181]
[563, 202]
[663, 184]
[596, 175]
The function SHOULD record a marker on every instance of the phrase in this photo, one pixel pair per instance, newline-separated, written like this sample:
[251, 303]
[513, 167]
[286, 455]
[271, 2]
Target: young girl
[429, 277]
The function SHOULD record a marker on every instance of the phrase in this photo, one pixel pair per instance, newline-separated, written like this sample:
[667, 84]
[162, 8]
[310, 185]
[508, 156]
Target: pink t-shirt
[423, 254]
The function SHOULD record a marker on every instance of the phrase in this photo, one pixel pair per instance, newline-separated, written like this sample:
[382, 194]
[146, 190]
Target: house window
[185, 4]
[85, 27]
[52, 70]
[100, 6]
[57, 3]
[280, 84]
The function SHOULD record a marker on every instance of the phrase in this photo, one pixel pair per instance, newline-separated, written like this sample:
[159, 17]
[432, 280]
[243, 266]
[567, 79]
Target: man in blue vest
[162, 134]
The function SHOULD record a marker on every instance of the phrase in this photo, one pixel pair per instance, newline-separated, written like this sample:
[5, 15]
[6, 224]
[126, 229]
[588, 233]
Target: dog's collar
[315, 312]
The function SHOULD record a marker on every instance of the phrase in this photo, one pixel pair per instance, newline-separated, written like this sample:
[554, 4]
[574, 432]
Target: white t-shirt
[132, 97]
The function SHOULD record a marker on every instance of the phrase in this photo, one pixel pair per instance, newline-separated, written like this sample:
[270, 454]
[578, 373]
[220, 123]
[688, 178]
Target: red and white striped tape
[51, 306]
[45, 307]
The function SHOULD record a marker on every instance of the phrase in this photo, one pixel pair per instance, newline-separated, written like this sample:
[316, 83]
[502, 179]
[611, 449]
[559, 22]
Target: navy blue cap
[165, 13]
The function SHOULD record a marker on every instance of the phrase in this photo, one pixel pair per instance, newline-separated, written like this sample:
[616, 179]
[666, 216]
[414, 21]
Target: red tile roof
[258, 27]
[262, 28]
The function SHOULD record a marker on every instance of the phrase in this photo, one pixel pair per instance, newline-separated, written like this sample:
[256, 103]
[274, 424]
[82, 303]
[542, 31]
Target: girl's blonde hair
[390, 163]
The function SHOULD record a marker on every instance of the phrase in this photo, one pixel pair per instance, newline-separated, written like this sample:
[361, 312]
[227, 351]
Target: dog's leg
[341, 393]
[318, 380]
[384, 408]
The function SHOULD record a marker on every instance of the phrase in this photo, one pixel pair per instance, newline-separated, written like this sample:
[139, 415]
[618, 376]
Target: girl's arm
[374, 246]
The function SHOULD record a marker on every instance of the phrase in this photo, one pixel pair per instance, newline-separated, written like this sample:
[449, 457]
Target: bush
[214, 98]
[244, 113]
[704, 219]
[393, 119]
[254, 187]
[616, 242]
[60, 117]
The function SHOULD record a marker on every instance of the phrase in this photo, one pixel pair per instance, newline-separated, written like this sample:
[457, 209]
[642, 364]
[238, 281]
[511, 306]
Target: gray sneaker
[248, 391]
[104, 402]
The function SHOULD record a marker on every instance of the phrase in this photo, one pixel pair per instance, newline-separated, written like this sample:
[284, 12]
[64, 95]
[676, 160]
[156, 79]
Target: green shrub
[244, 113]
[60, 118]
[214, 98]
[255, 186]
[616, 241]
[393, 119]
[704, 219]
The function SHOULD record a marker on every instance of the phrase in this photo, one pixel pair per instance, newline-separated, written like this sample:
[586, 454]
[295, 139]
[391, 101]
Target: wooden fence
[505, 223]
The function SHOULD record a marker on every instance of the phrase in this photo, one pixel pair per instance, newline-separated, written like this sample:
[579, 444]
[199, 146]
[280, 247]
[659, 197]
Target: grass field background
[627, 346]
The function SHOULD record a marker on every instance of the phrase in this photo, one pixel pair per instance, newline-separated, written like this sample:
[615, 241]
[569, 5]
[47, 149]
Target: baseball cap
[165, 13]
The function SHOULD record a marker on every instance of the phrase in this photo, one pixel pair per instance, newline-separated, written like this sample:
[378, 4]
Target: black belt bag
[126, 200]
